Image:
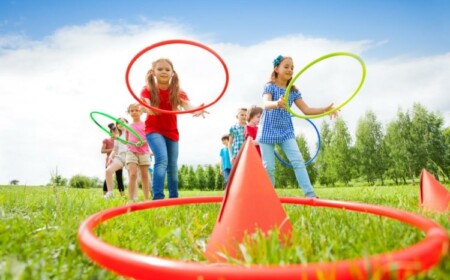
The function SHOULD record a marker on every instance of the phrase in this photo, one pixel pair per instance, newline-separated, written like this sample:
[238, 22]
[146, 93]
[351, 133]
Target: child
[107, 147]
[163, 91]
[137, 156]
[251, 129]
[236, 135]
[116, 160]
[276, 123]
[225, 163]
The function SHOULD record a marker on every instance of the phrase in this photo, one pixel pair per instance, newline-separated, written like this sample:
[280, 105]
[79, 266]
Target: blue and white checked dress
[276, 124]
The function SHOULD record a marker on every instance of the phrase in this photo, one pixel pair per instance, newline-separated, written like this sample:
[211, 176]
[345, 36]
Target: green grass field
[38, 230]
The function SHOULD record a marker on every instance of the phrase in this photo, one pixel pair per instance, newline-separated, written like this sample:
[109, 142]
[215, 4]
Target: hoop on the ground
[405, 262]
[291, 83]
[311, 159]
[127, 127]
[169, 42]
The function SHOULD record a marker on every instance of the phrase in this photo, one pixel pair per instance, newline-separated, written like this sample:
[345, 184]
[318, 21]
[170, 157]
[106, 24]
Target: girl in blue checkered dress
[276, 123]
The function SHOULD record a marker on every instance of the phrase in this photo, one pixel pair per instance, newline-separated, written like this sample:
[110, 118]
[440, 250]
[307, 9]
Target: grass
[38, 231]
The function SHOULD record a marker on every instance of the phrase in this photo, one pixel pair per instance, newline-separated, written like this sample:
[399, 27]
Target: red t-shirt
[251, 131]
[109, 144]
[164, 124]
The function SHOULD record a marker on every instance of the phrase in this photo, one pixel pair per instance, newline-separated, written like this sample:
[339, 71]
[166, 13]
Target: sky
[62, 60]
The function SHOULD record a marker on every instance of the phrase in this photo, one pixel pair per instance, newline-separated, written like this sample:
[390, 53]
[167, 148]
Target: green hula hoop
[288, 89]
[122, 124]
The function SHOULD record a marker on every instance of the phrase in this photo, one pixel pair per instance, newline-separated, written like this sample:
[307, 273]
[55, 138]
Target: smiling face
[163, 72]
[285, 69]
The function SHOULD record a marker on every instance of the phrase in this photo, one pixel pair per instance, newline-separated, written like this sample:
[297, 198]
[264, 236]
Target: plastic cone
[250, 204]
[433, 196]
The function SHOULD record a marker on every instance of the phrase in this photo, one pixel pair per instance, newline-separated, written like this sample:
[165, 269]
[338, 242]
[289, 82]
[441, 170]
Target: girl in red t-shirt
[163, 91]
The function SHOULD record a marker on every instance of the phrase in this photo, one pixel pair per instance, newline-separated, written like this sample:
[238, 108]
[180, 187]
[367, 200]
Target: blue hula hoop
[313, 158]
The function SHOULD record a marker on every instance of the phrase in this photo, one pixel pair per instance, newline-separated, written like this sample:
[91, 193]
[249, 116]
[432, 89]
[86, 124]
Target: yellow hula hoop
[288, 89]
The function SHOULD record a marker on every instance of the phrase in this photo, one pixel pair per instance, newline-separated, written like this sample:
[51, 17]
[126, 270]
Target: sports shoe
[108, 195]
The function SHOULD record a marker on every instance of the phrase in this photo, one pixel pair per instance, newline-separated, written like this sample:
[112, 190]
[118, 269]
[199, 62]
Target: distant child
[251, 129]
[276, 123]
[236, 135]
[225, 163]
[116, 159]
[107, 147]
[137, 156]
[163, 91]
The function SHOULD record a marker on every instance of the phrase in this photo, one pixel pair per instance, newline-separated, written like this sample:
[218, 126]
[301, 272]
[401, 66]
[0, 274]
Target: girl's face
[255, 120]
[163, 72]
[285, 69]
[119, 126]
[135, 112]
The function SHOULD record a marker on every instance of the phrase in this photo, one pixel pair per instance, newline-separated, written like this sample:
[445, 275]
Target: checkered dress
[276, 124]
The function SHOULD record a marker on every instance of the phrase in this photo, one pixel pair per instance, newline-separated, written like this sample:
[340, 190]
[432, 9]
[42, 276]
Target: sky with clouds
[59, 61]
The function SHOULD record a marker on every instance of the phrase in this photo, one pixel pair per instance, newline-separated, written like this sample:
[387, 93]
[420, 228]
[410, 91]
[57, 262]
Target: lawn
[38, 230]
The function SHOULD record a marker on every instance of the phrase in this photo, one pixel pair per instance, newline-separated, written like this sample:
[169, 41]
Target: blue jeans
[165, 152]
[290, 148]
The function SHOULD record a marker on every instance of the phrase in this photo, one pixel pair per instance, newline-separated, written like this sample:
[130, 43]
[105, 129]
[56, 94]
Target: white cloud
[48, 88]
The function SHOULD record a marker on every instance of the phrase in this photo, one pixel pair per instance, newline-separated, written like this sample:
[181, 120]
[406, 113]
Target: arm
[313, 110]
[230, 144]
[186, 105]
[145, 109]
[270, 104]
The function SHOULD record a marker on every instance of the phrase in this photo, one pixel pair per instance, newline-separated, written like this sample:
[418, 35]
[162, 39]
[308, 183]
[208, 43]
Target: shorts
[139, 159]
[119, 159]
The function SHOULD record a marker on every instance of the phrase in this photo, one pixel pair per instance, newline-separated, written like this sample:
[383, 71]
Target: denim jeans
[290, 148]
[165, 152]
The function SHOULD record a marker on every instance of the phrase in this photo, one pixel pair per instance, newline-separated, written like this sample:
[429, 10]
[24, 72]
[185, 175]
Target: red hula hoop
[407, 261]
[169, 42]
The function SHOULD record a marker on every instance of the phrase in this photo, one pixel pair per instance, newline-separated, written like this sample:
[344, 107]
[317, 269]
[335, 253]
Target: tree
[369, 148]
[201, 178]
[210, 177]
[14, 182]
[56, 179]
[339, 156]
[322, 162]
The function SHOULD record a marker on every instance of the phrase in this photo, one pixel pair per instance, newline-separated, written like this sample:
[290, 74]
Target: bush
[82, 182]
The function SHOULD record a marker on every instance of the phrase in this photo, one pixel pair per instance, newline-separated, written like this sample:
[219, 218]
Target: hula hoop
[288, 89]
[122, 124]
[311, 159]
[168, 42]
[409, 261]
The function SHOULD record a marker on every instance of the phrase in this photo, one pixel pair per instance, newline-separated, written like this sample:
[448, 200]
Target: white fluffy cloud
[49, 87]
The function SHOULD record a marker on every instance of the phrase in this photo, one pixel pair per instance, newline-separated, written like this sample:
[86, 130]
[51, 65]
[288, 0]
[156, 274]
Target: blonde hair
[174, 87]
[131, 106]
[274, 74]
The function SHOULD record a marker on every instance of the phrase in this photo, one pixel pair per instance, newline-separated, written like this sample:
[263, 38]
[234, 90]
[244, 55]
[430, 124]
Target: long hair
[174, 86]
[274, 74]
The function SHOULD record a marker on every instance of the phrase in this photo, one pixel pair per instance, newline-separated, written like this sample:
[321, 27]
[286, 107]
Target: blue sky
[61, 60]
[409, 27]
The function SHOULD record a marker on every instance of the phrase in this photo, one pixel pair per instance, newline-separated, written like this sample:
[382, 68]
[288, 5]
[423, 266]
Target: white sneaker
[108, 195]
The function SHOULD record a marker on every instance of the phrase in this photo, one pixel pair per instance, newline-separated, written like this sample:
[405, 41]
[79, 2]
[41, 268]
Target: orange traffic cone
[250, 204]
[433, 196]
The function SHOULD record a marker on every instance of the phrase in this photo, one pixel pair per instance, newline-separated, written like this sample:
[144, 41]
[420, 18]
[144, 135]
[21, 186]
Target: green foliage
[83, 182]
[39, 228]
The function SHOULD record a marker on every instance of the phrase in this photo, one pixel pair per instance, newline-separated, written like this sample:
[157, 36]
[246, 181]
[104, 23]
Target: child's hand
[329, 108]
[280, 103]
[200, 112]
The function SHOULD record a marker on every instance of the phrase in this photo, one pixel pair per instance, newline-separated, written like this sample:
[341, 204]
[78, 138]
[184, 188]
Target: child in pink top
[138, 157]
[251, 129]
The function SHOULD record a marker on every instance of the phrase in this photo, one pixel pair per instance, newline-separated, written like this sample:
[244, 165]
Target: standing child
[107, 147]
[236, 135]
[251, 129]
[225, 163]
[137, 156]
[163, 91]
[117, 160]
[276, 123]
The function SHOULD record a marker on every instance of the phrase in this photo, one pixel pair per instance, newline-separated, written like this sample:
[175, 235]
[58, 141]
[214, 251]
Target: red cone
[433, 196]
[250, 204]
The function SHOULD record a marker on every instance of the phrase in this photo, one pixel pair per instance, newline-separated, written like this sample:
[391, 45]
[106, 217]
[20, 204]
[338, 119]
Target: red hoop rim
[408, 261]
[169, 42]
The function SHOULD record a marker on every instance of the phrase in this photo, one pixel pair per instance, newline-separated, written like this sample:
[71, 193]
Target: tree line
[398, 152]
